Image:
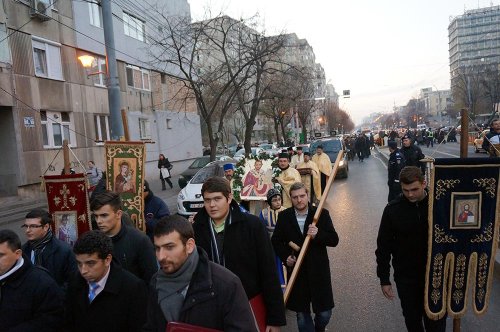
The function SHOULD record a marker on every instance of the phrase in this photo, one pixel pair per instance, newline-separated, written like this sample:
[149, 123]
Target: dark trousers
[361, 155]
[411, 296]
[323, 182]
[163, 187]
[394, 191]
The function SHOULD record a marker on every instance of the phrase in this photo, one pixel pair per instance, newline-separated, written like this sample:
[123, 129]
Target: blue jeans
[305, 322]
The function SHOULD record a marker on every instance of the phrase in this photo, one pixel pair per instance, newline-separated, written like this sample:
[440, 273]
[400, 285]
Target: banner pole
[305, 245]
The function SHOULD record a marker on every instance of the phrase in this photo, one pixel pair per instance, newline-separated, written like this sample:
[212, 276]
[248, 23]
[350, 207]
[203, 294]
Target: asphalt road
[356, 205]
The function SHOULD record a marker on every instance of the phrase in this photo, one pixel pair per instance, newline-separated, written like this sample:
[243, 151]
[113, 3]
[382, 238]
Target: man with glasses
[29, 298]
[44, 249]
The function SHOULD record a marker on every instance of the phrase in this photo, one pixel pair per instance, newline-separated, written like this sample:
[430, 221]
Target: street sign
[346, 93]
[317, 135]
[333, 132]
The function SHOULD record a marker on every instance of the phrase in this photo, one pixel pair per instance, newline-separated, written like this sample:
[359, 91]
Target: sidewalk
[384, 154]
[169, 196]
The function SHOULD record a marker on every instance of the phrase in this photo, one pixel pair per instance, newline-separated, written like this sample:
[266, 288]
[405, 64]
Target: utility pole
[464, 133]
[112, 72]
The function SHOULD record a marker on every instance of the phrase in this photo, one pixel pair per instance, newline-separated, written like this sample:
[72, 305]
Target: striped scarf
[39, 245]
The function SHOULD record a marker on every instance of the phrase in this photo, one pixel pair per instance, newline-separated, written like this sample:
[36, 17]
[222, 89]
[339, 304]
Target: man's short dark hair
[410, 174]
[319, 147]
[13, 241]
[45, 217]
[216, 184]
[175, 223]
[106, 198]
[298, 186]
[94, 242]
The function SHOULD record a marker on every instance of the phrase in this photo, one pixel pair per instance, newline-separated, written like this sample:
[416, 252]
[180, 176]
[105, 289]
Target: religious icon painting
[125, 175]
[465, 210]
[257, 179]
[65, 225]
[68, 203]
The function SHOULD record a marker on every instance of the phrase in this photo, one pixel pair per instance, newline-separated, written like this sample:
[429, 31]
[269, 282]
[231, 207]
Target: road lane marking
[383, 163]
[445, 153]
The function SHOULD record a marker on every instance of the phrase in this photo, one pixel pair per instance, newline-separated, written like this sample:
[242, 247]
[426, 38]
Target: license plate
[196, 206]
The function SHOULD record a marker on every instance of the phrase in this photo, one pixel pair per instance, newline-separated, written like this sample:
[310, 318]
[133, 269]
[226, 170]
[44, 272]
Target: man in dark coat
[412, 153]
[132, 249]
[154, 209]
[239, 241]
[30, 299]
[313, 284]
[395, 164]
[189, 288]
[103, 296]
[45, 250]
[360, 145]
[403, 236]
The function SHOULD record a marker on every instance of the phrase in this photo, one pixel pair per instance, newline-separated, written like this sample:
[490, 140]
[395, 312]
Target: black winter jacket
[249, 254]
[313, 284]
[403, 236]
[31, 301]
[119, 307]
[215, 299]
[58, 258]
[134, 251]
[412, 155]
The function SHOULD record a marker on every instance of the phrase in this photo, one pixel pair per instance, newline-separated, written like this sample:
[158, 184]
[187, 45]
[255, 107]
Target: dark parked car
[332, 147]
[197, 164]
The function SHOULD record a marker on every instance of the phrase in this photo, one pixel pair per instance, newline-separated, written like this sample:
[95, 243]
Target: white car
[189, 199]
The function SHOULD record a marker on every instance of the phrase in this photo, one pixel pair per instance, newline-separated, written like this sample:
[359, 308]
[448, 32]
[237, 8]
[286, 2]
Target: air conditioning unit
[40, 9]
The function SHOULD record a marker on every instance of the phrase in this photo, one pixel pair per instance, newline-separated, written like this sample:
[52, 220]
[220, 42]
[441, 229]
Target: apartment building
[46, 96]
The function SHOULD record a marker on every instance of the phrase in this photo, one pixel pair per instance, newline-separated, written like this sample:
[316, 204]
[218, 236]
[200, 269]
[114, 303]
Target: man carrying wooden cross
[313, 284]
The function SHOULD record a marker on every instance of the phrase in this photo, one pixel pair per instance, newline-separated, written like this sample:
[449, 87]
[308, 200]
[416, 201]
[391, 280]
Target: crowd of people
[220, 268]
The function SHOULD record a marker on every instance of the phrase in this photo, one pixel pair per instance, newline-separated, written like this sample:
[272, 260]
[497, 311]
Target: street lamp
[87, 63]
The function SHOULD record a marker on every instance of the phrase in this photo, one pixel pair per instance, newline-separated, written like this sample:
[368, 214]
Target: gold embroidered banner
[464, 206]
[125, 175]
[68, 203]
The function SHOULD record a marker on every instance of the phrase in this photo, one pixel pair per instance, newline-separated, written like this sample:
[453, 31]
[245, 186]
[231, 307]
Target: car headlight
[342, 162]
[181, 196]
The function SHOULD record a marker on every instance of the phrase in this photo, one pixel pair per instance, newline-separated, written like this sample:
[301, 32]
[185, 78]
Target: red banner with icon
[68, 203]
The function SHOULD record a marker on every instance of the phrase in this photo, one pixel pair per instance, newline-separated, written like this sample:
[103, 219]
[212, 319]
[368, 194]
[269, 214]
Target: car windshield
[200, 162]
[242, 152]
[266, 146]
[328, 146]
[204, 173]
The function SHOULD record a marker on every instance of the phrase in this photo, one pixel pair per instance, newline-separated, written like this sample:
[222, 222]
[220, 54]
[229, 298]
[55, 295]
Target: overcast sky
[384, 51]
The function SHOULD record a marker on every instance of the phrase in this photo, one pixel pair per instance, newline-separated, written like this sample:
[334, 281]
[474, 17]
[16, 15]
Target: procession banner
[68, 203]
[125, 175]
[464, 207]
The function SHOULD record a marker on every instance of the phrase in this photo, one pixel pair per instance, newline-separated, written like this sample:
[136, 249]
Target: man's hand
[313, 230]
[290, 261]
[273, 328]
[387, 291]
[191, 217]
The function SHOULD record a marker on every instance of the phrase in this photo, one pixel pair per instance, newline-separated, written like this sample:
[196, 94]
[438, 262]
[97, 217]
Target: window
[95, 13]
[4, 50]
[101, 125]
[144, 128]
[47, 59]
[134, 27]
[99, 65]
[169, 125]
[56, 127]
[138, 77]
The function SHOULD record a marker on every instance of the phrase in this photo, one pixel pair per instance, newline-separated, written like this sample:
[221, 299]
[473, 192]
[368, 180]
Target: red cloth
[68, 203]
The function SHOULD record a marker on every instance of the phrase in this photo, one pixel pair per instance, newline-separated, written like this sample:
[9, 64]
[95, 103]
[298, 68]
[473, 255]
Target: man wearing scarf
[30, 298]
[287, 177]
[310, 174]
[324, 164]
[239, 242]
[44, 249]
[189, 288]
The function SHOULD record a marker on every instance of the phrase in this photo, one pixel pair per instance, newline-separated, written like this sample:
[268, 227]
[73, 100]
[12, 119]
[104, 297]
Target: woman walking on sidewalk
[165, 166]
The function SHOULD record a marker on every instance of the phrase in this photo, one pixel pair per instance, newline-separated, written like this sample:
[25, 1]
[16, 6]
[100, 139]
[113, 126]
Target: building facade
[47, 96]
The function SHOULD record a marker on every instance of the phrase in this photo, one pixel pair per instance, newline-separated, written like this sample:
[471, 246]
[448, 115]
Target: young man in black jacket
[132, 249]
[403, 236]
[239, 241]
[189, 288]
